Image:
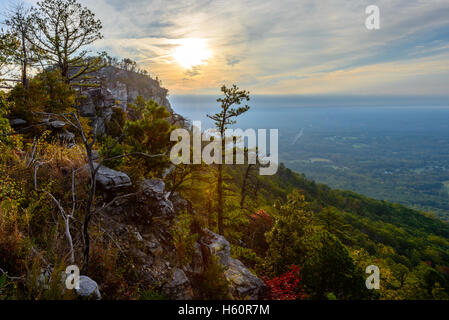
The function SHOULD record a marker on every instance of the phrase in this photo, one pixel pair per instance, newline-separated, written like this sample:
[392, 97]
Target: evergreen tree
[223, 119]
[60, 31]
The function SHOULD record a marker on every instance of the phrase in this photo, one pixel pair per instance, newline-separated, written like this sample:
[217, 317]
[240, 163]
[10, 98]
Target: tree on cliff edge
[60, 30]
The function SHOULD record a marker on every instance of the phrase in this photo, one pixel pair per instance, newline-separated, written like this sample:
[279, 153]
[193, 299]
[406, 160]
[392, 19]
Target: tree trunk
[87, 213]
[24, 62]
[220, 200]
[243, 192]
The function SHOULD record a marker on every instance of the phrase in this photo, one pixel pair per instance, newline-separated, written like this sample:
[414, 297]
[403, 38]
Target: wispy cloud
[293, 46]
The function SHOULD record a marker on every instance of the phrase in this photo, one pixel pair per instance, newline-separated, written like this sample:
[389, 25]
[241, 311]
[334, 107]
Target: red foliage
[261, 218]
[287, 286]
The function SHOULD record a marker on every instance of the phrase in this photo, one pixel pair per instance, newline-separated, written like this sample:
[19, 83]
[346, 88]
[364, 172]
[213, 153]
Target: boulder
[242, 282]
[110, 179]
[88, 288]
[57, 124]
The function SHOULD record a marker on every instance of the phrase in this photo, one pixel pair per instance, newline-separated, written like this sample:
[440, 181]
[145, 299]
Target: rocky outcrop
[154, 189]
[116, 89]
[146, 219]
[125, 86]
[243, 283]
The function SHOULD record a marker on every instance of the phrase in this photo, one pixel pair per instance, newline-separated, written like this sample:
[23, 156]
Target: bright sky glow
[191, 53]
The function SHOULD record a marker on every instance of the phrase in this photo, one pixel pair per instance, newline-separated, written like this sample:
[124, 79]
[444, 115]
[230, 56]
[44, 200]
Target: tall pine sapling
[226, 117]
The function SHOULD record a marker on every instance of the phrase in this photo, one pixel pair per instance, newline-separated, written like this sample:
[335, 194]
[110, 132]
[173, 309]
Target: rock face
[179, 287]
[116, 89]
[147, 219]
[109, 179]
[154, 188]
[125, 86]
[243, 283]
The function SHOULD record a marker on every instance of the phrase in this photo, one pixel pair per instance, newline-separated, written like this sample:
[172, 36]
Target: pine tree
[223, 119]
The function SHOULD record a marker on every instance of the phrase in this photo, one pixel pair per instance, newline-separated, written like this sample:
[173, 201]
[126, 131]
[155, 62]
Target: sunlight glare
[191, 53]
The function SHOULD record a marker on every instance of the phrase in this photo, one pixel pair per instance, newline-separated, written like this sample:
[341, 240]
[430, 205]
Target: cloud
[268, 47]
[232, 61]
[194, 71]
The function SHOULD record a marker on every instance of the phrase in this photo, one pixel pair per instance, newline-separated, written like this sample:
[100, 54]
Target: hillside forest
[62, 129]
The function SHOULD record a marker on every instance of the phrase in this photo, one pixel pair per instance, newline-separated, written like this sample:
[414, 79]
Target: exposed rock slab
[110, 179]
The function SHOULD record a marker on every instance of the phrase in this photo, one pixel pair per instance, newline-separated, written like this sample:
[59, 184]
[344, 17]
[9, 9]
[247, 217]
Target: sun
[191, 53]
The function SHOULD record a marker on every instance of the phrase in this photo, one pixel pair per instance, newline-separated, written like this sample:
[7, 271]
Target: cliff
[116, 88]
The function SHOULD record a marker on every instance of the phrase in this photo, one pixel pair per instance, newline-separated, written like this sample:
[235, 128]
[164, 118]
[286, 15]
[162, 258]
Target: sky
[281, 46]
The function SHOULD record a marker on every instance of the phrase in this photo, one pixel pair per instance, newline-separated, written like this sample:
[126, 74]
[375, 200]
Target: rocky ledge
[147, 219]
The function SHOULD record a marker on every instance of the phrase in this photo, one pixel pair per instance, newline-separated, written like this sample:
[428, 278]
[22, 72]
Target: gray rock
[219, 246]
[17, 122]
[153, 186]
[110, 179]
[57, 124]
[87, 109]
[88, 288]
[154, 190]
[179, 287]
[243, 283]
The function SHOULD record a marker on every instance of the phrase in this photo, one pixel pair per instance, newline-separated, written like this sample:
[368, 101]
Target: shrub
[47, 92]
[183, 239]
[287, 286]
[211, 284]
[151, 294]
